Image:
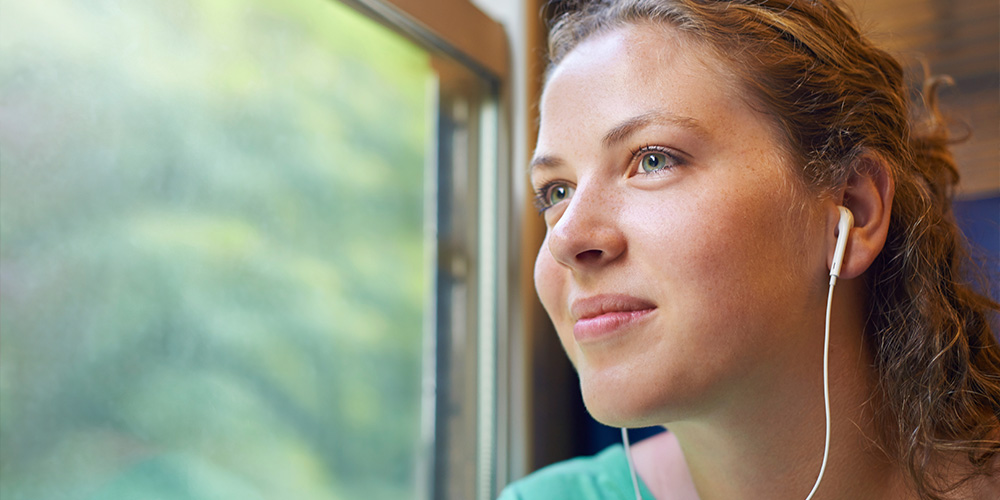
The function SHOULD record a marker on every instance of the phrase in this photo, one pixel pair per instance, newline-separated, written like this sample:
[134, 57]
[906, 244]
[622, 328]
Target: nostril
[589, 255]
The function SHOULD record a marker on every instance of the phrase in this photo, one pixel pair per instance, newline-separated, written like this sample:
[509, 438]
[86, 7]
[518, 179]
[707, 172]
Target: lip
[603, 316]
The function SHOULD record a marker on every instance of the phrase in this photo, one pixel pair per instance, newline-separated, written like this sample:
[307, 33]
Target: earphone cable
[826, 387]
[631, 467]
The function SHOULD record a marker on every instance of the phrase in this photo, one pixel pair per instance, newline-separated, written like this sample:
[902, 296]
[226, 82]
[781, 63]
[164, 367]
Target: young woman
[691, 166]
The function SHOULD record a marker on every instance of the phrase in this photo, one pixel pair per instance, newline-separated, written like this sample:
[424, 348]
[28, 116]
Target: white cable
[631, 468]
[826, 387]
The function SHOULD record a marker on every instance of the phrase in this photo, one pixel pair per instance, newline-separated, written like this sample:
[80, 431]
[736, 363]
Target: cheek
[734, 254]
[549, 282]
[552, 286]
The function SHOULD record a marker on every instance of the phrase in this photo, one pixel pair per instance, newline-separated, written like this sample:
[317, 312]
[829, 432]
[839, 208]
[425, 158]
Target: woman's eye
[557, 193]
[654, 161]
[551, 194]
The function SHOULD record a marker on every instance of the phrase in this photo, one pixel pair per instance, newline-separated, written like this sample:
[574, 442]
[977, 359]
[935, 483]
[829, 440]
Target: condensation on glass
[239, 253]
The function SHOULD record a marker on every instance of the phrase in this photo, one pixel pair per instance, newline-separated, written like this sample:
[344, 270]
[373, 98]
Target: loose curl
[837, 99]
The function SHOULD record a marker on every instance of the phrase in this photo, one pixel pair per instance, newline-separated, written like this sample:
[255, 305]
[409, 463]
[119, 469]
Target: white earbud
[843, 229]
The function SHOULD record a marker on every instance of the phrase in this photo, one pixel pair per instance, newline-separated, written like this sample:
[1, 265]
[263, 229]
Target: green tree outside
[211, 241]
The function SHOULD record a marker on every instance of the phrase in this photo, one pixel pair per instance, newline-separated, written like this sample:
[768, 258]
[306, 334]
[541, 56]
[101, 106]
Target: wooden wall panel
[960, 39]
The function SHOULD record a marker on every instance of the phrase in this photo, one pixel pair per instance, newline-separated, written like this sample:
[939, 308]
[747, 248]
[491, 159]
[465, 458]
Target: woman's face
[682, 267]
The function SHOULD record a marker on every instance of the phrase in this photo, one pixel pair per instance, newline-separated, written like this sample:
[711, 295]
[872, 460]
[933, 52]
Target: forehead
[634, 41]
[631, 70]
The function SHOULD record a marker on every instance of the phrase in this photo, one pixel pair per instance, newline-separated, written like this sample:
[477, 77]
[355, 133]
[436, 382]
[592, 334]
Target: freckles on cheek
[724, 243]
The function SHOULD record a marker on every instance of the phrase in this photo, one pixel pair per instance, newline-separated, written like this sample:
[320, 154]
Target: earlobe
[868, 194]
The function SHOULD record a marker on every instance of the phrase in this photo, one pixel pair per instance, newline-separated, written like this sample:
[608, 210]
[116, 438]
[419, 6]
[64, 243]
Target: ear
[868, 195]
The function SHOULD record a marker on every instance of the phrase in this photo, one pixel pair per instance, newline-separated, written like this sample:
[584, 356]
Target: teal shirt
[604, 476]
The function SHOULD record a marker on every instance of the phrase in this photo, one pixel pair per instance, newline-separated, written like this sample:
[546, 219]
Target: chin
[623, 406]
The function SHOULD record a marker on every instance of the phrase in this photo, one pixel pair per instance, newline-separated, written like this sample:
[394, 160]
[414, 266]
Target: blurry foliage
[212, 251]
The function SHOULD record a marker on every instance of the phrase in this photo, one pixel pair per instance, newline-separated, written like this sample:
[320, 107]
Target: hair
[839, 100]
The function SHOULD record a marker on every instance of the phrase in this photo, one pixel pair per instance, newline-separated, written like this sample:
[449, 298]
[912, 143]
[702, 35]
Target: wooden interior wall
[960, 39]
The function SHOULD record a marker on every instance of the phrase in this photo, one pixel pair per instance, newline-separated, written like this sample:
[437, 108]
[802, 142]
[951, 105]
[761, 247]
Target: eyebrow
[544, 162]
[632, 125]
[619, 133]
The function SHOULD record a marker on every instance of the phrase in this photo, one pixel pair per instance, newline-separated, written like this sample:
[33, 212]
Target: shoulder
[604, 476]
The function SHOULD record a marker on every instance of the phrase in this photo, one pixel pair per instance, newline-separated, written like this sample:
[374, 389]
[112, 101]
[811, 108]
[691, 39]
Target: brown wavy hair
[837, 97]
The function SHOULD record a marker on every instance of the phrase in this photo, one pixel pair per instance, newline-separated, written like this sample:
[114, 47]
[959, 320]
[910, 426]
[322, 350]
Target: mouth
[603, 316]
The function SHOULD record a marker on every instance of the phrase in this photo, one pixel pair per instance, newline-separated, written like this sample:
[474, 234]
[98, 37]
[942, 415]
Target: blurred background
[283, 248]
[212, 241]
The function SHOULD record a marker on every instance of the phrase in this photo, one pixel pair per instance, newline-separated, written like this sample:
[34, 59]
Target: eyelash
[541, 194]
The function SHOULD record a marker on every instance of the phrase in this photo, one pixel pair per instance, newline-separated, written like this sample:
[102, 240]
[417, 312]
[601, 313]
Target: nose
[587, 234]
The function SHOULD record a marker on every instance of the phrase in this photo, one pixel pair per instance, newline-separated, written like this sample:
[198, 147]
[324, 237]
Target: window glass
[214, 278]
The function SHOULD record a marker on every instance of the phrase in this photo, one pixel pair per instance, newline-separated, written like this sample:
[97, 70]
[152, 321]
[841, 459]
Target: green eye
[652, 162]
[557, 193]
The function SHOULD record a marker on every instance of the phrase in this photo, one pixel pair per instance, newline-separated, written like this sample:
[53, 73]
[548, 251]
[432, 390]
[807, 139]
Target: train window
[244, 249]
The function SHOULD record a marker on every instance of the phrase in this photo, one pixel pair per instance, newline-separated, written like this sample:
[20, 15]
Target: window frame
[479, 250]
